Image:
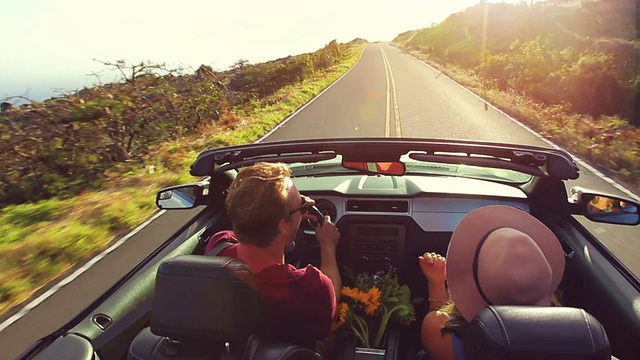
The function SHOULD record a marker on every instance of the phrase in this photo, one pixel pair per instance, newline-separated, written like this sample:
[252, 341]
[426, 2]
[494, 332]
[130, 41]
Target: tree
[130, 71]
[240, 64]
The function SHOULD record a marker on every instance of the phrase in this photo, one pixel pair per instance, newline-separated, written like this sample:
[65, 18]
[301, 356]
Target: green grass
[17, 221]
[43, 240]
[12, 290]
[25, 215]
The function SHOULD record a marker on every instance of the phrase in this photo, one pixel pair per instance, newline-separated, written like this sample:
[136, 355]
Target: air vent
[400, 206]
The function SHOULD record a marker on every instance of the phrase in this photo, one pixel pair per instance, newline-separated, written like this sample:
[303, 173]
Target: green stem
[364, 336]
[366, 332]
[385, 319]
[358, 335]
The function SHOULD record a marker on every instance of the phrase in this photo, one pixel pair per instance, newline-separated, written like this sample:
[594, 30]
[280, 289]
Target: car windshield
[478, 172]
[417, 168]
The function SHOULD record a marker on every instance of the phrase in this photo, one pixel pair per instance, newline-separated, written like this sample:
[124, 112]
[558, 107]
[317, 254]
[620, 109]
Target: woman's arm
[433, 269]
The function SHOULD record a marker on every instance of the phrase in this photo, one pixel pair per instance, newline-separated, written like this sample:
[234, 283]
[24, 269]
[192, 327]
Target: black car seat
[258, 349]
[533, 332]
[207, 308]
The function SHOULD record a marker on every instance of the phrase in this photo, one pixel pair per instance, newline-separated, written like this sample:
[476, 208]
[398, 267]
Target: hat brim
[464, 242]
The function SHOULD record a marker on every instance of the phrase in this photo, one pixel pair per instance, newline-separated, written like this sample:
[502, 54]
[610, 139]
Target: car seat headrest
[535, 332]
[204, 298]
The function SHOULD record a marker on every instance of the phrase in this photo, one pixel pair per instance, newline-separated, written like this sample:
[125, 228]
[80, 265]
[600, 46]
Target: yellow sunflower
[372, 300]
[343, 308]
[352, 293]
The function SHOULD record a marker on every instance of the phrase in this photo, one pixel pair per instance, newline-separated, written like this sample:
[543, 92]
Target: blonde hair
[257, 201]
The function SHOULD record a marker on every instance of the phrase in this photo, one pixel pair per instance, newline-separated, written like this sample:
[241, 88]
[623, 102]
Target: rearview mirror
[385, 168]
[605, 208]
[186, 196]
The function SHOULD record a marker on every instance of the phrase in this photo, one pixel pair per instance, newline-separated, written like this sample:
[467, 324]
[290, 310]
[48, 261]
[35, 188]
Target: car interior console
[375, 246]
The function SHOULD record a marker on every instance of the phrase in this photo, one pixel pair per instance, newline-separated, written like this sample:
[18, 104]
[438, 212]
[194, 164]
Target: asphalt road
[388, 93]
[390, 89]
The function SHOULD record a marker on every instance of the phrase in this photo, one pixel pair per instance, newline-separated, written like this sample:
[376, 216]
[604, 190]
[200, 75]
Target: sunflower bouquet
[371, 304]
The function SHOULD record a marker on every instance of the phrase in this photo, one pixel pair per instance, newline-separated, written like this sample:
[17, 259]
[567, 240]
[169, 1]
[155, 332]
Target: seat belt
[219, 247]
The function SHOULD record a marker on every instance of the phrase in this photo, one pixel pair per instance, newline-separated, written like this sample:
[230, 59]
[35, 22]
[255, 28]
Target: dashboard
[392, 221]
[431, 213]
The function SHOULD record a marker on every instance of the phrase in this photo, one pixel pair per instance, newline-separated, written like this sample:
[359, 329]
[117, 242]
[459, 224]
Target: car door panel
[595, 282]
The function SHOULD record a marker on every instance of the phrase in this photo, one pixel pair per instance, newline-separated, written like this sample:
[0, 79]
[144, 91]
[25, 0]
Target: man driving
[266, 210]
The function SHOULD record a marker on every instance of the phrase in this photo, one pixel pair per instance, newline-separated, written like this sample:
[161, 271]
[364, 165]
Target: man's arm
[329, 266]
[328, 236]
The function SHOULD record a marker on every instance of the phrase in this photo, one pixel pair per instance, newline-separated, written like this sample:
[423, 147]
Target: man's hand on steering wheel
[327, 233]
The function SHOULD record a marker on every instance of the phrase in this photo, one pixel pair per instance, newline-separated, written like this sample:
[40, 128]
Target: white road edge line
[584, 164]
[25, 310]
[290, 116]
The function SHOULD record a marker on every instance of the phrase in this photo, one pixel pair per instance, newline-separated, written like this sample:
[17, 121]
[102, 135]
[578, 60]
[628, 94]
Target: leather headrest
[204, 298]
[257, 349]
[534, 332]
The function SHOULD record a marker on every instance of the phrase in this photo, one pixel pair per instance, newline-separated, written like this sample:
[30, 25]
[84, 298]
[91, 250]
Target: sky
[49, 46]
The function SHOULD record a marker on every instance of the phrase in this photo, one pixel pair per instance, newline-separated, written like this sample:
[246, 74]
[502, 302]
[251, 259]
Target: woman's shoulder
[435, 320]
[439, 345]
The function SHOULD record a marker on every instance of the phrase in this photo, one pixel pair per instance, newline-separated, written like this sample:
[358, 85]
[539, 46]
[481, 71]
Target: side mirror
[605, 208]
[186, 196]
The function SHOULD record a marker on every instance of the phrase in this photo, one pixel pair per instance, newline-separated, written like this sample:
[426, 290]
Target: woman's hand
[433, 267]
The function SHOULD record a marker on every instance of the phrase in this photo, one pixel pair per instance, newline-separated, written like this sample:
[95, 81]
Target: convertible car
[392, 199]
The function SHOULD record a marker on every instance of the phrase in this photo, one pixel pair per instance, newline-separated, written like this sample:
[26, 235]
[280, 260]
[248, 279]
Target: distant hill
[581, 53]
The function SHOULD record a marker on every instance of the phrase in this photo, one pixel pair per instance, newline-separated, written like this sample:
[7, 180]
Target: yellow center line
[396, 108]
[387, 124]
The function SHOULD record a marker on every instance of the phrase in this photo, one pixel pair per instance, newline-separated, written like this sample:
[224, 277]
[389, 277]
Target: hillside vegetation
[69, 144]
[81, 170]
[566, 68]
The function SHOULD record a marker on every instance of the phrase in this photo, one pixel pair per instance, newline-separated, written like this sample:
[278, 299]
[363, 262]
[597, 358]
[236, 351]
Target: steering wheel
[291, 247]
[313, 210]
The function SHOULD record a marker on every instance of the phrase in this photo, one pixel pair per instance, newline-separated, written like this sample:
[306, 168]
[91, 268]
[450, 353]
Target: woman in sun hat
[498, 255]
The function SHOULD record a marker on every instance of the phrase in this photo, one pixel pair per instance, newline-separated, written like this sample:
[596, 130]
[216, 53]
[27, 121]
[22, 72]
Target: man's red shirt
[300, 302]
